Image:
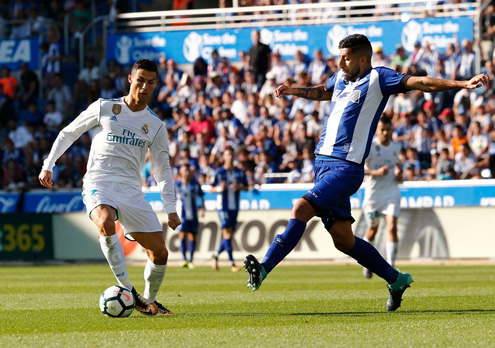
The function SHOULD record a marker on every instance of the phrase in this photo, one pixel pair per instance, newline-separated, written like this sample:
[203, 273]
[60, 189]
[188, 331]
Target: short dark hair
[145, 64]
[358, 44]
[385, 120]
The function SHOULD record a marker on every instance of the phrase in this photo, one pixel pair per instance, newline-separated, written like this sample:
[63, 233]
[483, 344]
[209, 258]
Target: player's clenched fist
[282, 90]
[46, 178]
[173, 220]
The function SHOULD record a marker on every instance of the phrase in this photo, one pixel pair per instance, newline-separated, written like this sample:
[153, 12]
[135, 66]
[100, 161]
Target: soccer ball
[117, 302]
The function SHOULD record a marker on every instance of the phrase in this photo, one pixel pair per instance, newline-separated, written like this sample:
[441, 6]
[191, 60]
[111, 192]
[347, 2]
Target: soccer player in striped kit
[228, 182]
[123, 131]
[358, 94]
[188, 190]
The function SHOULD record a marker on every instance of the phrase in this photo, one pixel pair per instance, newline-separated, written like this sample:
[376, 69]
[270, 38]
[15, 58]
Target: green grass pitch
[306, 306]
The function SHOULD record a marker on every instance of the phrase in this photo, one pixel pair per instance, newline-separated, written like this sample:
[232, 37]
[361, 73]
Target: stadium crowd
[216, 104]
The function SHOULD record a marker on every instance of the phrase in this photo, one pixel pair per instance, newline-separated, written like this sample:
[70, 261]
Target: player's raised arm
[430, 84]
[311, 93]
[84, 122]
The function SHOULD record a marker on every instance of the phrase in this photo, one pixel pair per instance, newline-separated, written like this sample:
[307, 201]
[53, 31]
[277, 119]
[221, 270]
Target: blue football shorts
[189, 226]
[335, 182]
[228, 218]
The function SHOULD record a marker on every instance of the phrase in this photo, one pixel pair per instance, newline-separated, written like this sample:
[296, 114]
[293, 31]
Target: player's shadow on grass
[329, 314]
[404, 312]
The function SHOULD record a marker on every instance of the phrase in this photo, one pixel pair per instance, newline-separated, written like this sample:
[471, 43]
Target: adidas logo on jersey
[113, 118]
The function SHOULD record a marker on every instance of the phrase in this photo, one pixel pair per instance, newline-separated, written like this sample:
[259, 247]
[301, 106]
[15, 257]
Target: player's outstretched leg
[396, 290]
[281, 246]
[256, 272]
[367, 256]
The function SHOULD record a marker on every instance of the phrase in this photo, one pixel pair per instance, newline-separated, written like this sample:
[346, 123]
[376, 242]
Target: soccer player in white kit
[123, 131]
[382, 195]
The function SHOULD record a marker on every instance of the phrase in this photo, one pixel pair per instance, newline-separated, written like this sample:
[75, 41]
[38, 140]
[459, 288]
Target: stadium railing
[301, 14]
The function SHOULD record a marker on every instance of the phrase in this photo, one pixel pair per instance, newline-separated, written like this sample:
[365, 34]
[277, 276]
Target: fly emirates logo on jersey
[127, 138]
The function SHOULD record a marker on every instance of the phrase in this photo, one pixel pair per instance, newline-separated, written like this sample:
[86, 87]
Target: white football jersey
[379, 187]
[120, 140]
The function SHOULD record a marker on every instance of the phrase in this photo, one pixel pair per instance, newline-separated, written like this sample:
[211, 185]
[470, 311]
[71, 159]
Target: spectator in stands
[379, 58]
[412, 159]
[447, 119]
[19, 134]
[465, 162]
[269, 85]
[167, 94]
[477, 140]
[89, 73]
[60, 94]
[445, 166]
[279, 68]
[400, 59]
[8, 151]
[213, 61]
[8, 82]
[452, 60]
[81, 16]
[7, 112]
[14, 179]
[259, 58]
[300, 64]
[458, 139]
[307, 165]
[202, 125]
[240, 106]
[467, 61]
[53, 118]
[333, 67]
[215, 86]
[107, 90]
[32, 116]
[54, 57]
[483, 117]
[224, 69]
[29, 85]
[306, 105]
[318, 68]
[173, 70]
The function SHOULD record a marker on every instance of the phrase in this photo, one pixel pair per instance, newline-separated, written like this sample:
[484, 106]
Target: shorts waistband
[328, 158]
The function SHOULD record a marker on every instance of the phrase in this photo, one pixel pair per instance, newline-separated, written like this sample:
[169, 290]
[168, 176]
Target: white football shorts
[373, 209]
[133, 212]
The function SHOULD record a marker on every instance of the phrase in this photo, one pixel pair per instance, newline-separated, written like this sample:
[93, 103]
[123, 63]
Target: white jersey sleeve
[162, 171]
[85, 121]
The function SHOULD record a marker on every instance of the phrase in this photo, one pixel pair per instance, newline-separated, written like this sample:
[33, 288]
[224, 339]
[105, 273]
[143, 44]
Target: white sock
[392, 252]
[114, 253]
[153, 276]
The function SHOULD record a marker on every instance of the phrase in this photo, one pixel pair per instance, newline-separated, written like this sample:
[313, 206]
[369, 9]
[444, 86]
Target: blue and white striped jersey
[228, 199]
[188, 194]
[355, 110]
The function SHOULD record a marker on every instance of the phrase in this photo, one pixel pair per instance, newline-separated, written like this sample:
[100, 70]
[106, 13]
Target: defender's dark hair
[385, 119]
[145, 64]
[358, 43]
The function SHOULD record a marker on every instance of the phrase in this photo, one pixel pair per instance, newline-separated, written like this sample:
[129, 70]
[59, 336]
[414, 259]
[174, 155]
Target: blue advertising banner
[53, 202]
[15, 51]
[186, 46]
[9, 202]
[424, 196]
